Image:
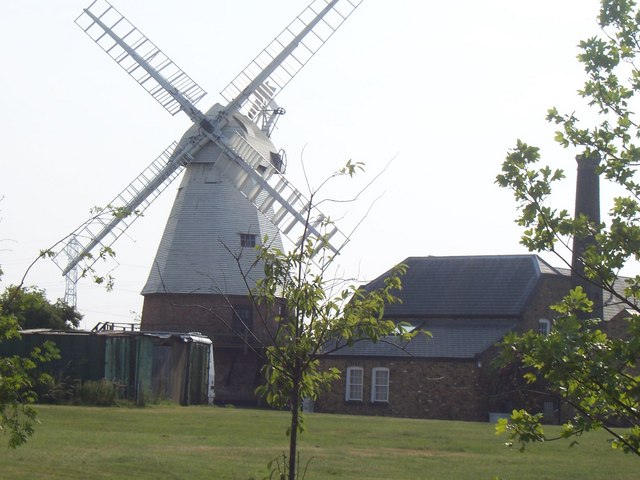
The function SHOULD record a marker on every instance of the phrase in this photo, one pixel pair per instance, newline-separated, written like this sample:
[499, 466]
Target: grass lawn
[170, 442]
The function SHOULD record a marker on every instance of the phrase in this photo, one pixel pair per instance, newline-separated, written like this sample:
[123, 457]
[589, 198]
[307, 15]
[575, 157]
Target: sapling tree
[313, 321]
[308, 314]
[594, 373]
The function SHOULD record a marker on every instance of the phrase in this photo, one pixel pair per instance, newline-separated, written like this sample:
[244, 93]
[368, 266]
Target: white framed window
[544, 326]
[353, 390]
[380, 384]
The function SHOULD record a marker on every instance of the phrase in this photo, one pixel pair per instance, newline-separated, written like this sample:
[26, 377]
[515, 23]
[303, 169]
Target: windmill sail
[106, 227]
[284, 57]
[139, 57]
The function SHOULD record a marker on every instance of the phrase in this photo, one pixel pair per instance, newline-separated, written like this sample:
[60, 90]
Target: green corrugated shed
[143, 365]
[82, 354]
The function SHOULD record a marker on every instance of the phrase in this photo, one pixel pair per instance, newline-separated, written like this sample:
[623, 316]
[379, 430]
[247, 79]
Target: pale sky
[442, 88]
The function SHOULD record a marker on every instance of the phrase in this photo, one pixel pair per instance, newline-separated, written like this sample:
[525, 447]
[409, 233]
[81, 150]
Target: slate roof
[468, 303]
[613, 306]
[457, 339]
[495, 286]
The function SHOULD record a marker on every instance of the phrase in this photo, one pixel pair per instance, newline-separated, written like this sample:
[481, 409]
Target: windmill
[233, 192]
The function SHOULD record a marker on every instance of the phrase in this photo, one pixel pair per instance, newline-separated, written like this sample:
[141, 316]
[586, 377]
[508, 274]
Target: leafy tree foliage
[17, 381]
[30, 307]
[594, 373]
[18, 378]
[24, 308]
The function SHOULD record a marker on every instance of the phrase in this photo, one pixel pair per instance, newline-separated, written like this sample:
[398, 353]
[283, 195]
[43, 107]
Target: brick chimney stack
[588, 204]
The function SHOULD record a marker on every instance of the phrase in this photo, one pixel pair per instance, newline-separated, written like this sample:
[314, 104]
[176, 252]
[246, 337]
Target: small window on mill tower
[247, 240]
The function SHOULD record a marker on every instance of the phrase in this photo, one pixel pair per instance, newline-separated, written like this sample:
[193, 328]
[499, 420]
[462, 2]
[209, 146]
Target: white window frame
[382, 395]
[354, 387]
[544, 326]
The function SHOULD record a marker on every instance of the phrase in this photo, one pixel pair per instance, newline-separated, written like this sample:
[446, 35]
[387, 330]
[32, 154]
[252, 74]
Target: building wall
[237, 354]
[551, 289]
[237, 376]
[211, 315]
[418, 388]
[617, 327]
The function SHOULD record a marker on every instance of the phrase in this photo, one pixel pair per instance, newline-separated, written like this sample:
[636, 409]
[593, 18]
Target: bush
[101, 394]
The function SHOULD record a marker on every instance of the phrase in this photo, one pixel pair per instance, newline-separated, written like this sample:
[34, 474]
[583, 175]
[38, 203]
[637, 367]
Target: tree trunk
[293, 435]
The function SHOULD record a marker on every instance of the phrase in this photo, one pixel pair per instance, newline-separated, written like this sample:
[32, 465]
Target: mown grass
[170, 442]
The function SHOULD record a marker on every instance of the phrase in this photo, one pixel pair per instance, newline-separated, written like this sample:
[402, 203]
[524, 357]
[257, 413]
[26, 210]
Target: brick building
[467, 303]
[238, 329]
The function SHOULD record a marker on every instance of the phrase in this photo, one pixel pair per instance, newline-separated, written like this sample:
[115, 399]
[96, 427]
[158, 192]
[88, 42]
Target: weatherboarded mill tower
[233, 195]
[206, 262]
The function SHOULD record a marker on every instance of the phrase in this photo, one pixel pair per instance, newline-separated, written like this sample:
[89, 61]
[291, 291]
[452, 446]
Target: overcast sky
[443, 89]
